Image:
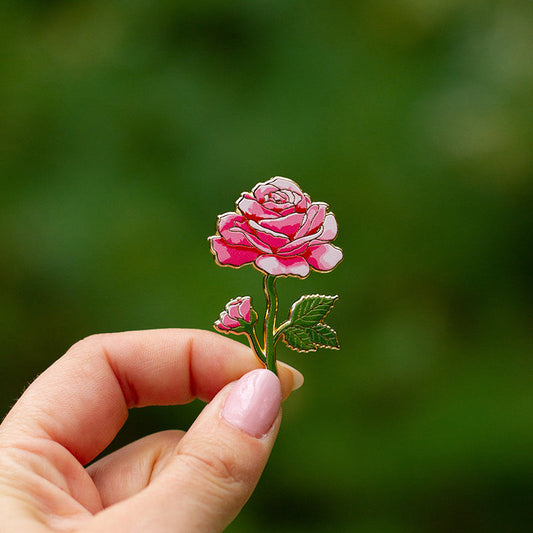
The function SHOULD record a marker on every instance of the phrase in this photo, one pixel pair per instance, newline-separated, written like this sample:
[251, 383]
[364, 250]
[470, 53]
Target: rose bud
[238, 316]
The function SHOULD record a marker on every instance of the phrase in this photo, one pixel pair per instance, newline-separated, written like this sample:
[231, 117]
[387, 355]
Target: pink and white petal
[241, 234]
[227, 220]
[304, 203]
[297, 243]
[258, 244]
[277, 206]
[244, 308]
[283, 266]
[287, 210]
[294, 197]
[285, 183]
[227, 255]
[218, 324]
[288, 225]
[286, 197]
[306, 224]
[228, 321]
[297, 197]
[330, 228]
[237, 237]
[233, 309]
[271, 238]
[229, 227]
[314, 218]
[262, 190]
[324, 257]
[251, 208]
[320, 215]
[298, 250]
[280, 197]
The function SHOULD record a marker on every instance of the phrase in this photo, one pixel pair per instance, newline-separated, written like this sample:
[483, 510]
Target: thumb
[216, 466]
[224, 453]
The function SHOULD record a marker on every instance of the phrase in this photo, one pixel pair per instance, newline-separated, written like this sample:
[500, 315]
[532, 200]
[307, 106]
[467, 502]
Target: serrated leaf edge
[299, 350]
[327, 346]
[306, 296]
[316, 345]
[294, 349]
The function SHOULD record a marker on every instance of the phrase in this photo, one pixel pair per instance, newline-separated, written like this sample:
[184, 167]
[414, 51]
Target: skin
[169, 481]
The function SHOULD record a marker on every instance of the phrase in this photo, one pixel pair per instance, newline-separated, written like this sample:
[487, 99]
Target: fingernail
[253, 403]
[298, 379]
[297, 376]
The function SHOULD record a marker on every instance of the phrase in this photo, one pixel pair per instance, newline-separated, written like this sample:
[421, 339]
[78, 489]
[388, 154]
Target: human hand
[169, 481]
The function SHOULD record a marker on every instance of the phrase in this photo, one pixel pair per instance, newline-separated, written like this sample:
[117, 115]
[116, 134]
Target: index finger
[82, 400]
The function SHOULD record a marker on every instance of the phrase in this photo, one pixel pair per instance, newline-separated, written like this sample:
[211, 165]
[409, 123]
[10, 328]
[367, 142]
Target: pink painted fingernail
[253, 403]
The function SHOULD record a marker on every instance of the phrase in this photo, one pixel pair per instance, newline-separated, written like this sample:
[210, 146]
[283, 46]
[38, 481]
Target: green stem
[252, 337]
[270, 321]
[279, 331]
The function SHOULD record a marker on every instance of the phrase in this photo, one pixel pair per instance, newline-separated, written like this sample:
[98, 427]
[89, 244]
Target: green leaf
[310, 339]
[323, 336]
[298, 339]
[305, 331]
[311, 309]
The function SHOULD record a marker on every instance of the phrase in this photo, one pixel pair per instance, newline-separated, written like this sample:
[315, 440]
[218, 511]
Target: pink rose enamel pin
[281, 232]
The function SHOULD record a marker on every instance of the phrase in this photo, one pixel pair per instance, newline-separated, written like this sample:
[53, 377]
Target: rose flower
[279, 230]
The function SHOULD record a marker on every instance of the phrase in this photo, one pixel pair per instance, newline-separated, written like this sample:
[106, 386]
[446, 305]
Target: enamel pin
[281, 232]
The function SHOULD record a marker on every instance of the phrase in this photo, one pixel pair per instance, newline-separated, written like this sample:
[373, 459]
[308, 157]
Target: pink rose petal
[238, 237]
[296, 243]
[244, 308]
[319, 217]
[233, 309]
[285, 183]
[251, 208]
[304, 204]
[229, 228]
[255, 241]
[314, 218]
[227, 220]
[262, 190]
[228, 321]
[225, 322]
[285, 197]
[292, 209]
[295, 249]
[219, 325]
[271, 205]
[288, 225]
[229, 255]
[283, 266]
[272, 239]
[330, 228]
[323, 257]
[280, 197]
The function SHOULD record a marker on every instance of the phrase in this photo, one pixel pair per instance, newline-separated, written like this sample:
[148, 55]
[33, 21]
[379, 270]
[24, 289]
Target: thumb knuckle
[219, 468]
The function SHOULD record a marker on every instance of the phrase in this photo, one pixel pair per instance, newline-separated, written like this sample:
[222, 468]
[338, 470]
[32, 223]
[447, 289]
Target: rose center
[283, 197]
[278, 197]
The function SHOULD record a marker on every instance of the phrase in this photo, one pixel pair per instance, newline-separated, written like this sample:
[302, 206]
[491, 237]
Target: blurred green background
[126, 127]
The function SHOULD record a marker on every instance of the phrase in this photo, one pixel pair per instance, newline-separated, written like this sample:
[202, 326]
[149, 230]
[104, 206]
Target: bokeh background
[126, 127]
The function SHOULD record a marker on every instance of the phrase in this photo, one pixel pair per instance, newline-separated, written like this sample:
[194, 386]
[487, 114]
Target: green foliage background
[126, 127]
